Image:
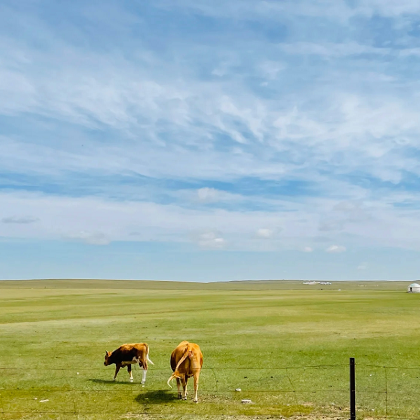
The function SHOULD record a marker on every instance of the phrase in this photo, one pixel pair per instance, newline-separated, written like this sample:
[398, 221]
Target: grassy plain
[286, 345]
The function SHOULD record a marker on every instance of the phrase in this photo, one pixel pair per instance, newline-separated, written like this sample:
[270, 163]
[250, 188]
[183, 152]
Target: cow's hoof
[142, 382]
[131, 379]
[179, 397]
[196, 401]
[184, 398]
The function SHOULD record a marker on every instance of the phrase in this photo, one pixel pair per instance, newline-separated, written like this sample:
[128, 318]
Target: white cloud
[271, 69]
[61, 217]
[211, 240]
[336, 249]
[362, 266]
[389, 8]
[264, 233]
[329, 49]
[208, 195]
[93, 238]
[307, 249]
[269, 10]
[198, 112]
[338, 10]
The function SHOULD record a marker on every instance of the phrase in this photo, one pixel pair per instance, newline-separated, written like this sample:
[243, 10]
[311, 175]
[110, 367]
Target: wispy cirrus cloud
[93, 238]
[157, 124]
[20, 220]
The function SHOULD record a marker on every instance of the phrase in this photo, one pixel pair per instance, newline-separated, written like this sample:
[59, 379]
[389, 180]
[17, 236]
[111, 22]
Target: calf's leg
[143, 379]
[130, 372]
[117, 368]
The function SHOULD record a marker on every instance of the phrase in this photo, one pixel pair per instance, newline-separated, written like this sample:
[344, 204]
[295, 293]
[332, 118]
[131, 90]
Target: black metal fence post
[352, 390]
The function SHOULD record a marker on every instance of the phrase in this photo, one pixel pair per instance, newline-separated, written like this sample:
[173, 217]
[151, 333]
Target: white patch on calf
[133, 362]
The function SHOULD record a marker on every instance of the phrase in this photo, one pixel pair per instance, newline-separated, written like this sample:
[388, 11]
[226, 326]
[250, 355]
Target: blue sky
[207, 141]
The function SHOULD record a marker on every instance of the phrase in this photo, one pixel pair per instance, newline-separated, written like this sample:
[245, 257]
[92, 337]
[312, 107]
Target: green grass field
[286, 345]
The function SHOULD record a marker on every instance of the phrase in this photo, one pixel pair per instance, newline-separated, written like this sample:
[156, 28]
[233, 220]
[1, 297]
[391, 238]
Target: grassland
[286, 345]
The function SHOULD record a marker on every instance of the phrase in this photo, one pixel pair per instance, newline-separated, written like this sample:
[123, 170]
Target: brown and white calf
[127, 355]
[186, 362]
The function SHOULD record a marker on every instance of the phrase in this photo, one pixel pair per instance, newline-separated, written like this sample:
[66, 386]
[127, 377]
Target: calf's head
[107, 358]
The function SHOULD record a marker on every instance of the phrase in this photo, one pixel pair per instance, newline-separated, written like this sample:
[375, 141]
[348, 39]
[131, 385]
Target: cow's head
[107, 357]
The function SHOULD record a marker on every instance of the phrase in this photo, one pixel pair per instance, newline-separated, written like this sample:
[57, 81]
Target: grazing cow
[186, 361]
[127, 355]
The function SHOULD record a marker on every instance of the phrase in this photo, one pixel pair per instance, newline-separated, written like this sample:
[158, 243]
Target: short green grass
[286, 345]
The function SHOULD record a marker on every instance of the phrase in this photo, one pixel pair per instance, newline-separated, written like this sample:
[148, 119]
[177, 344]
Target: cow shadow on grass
[156, 397]
[110, 381]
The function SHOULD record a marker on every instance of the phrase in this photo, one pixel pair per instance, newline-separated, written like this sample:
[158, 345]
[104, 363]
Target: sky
[210, 141]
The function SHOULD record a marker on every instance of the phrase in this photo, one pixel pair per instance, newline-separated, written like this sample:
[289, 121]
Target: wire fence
[382, 392]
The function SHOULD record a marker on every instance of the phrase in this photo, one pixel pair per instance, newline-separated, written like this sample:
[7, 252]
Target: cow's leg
[117, 368]
[178, 384]
[184, 385]
[143, 379]
[130, 372]
[196, 377]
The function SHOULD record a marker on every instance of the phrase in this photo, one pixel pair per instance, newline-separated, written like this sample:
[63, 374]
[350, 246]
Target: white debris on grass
[238, 389]
[246, 401]
[43, 400]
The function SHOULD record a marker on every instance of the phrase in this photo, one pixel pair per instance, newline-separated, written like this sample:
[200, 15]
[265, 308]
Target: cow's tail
[170, 379]
[182, 358]
[147, 355]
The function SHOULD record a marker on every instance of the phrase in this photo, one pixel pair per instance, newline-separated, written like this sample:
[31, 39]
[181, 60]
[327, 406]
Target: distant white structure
[317, 282]
[413, 288]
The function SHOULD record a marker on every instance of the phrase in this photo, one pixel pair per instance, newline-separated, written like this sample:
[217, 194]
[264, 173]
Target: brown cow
[186, 361]
[127, 355]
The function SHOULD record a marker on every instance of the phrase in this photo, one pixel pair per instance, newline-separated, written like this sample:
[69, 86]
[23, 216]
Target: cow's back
[128, 352]
[188, 365]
